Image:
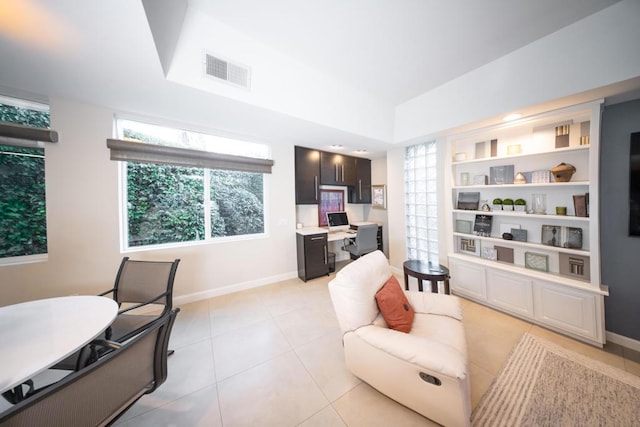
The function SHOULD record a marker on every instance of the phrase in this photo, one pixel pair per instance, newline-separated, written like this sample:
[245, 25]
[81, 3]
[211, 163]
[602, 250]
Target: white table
[37, 334]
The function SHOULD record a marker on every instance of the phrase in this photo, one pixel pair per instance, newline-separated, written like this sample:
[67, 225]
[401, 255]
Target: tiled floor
[272, 356]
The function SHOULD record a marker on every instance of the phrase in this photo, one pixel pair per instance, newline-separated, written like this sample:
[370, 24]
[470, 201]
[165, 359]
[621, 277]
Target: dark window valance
[131, 151]
[25, 136]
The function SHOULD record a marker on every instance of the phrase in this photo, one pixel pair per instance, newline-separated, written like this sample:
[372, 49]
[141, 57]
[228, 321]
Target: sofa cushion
[394, 306]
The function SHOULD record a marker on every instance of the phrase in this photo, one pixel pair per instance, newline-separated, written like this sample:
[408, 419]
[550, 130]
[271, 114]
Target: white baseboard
[198, 296]
[623, 341]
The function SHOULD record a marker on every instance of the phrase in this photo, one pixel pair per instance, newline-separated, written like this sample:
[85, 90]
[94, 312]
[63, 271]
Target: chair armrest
[107, 292]
[142, 304]
[421, 351]
[440, 304]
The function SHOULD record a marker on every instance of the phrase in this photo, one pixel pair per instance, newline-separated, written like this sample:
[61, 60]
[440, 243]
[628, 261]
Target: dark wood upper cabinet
[307, 171]
[337, 169]
[361, 191]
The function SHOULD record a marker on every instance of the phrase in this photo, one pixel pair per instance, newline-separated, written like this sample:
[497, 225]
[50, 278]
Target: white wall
[83, 224]
[599, 50]
[278, 82]
[395, 207]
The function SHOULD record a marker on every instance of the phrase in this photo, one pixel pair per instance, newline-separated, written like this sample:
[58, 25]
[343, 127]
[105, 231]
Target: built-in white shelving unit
[555, 286]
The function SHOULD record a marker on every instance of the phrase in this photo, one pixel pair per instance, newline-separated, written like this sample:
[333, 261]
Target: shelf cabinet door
[361, 191]
[307, 173]
[568, 309]
[510, 292]
[468, 279]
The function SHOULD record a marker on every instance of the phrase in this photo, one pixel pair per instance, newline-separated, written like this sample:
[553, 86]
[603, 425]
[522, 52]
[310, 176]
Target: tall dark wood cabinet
[336, 169]
[313, 255]
[361, 191]
[307, 166]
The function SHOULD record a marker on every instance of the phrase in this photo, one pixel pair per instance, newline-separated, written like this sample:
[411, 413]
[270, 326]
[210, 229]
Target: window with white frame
[23, 216]
[421, 207]
[172, 197]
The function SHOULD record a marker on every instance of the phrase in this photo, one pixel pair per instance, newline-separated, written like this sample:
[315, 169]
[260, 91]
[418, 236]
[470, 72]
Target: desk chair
[366, 241]
[100, 393]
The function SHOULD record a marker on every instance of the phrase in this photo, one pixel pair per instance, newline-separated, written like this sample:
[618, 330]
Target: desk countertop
[305, 231]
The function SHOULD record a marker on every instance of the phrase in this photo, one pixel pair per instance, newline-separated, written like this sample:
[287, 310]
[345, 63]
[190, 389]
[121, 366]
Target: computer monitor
[338, 221]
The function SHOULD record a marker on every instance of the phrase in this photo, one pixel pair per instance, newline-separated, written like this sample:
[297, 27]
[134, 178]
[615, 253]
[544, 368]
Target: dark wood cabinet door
[361, 191]
[336, 169]
[312, 256]
[307, 172]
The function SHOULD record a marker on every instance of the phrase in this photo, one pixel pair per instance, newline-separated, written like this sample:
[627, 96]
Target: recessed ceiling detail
[222, 69]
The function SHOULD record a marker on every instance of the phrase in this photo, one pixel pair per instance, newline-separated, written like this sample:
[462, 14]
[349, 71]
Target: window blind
[25, 136]
[131, 151]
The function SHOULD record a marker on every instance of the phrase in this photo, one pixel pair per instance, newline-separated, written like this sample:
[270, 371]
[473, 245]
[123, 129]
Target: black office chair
[100, 393]
[366, 241]
[138, 284]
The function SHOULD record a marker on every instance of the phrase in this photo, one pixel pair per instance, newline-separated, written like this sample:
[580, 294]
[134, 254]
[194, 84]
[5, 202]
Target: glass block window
[421, 202]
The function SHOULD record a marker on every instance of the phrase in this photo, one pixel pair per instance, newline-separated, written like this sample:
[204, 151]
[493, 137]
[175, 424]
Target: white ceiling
[102, 52]
[398, 49]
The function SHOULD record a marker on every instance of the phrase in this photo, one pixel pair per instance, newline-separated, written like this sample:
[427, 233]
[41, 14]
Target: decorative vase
[539, 204]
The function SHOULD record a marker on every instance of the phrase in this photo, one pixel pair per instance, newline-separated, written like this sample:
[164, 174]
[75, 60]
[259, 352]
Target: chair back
[142, 281]
[353, 290]
[98, 394]
[366, 239]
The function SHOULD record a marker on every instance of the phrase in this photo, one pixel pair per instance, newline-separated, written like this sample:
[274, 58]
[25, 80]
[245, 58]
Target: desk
[38, 334]
[422, 270]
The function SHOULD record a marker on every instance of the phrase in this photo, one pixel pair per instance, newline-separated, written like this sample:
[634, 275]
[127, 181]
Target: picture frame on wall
[379, 196]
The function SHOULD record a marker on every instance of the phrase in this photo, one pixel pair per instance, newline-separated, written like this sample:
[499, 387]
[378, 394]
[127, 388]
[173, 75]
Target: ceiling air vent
[224, 70]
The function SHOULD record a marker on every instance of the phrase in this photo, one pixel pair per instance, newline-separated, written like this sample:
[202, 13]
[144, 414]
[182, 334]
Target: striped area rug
[543, 384]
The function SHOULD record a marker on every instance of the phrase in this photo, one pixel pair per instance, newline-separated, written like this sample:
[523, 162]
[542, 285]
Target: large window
[421, 202]
[23, 218]
[173, 203]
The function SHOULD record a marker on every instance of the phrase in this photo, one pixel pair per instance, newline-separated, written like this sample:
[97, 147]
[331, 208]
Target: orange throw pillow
[394, 306]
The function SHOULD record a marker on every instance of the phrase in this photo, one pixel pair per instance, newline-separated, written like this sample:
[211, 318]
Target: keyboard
[351, 232]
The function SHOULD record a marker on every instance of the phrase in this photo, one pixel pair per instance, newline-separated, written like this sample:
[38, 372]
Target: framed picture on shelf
[468, 200]
[504, 254]
[482, 225]
[519, 235]
[536, 261]
[463, 226]
[575, 266]
[490, 254]
[468, 246]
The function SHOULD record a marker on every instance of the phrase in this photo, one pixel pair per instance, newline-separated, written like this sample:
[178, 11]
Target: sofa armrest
[430, 303]
[424, 352]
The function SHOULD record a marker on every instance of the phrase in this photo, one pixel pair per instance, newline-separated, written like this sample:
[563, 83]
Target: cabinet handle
[325, 255]
[342, 173]
[315, 182]
[336, 168]
[360, 188]
[317, 238]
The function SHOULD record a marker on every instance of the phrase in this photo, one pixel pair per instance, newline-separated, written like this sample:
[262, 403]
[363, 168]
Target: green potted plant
[520, 205]
[497, 204]
[507, 204]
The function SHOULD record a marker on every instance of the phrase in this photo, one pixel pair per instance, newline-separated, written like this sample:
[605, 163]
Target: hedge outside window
[23, 218]
[169, 204]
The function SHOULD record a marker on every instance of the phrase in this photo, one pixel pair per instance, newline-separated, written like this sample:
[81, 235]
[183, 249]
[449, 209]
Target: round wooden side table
[423, 270]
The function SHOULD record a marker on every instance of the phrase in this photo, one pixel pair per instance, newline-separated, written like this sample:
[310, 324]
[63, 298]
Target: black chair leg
[170, 352]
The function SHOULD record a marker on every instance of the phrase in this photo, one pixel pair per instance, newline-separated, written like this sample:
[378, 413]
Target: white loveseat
[426, 369]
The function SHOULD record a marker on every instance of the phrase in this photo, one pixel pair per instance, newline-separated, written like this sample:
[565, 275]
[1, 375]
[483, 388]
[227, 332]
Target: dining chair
[144, 293]
[98, 394]
[140, 284]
